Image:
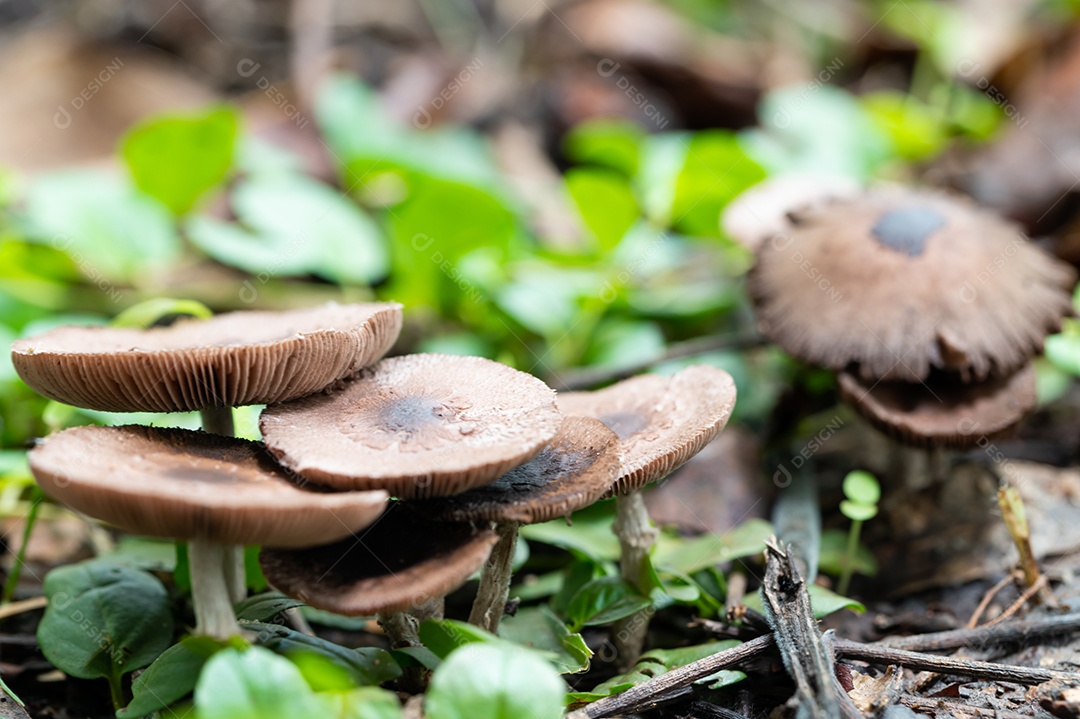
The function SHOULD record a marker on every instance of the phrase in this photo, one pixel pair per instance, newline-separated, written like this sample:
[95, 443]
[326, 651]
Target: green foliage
[171, 677]
[863, 492]
[179, 158]
[494, 681]
[606, 143]
[104, 620]
[715, 170]
[604, 600]
[153, 311]
[606, 203]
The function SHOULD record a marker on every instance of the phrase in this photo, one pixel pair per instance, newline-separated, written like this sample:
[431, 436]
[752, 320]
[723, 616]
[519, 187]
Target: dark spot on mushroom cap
[906, 229]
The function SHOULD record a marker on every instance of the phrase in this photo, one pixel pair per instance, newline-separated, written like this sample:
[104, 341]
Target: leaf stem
[849, 556]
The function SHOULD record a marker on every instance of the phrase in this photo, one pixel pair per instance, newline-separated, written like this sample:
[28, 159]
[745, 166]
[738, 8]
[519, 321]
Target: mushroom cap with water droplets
[421, 425]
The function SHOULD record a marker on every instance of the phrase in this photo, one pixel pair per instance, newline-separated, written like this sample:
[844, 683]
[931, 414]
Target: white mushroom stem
[214, 615]
[637, 535]
[490, 603]
[219, 420]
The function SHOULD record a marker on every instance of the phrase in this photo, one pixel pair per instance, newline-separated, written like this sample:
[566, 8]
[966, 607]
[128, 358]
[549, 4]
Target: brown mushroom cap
[661, 422]
[574, 470]
[401, 561]
[228, 360]
[193, 485]
[943, 412]
[422, 425]
[896, 282]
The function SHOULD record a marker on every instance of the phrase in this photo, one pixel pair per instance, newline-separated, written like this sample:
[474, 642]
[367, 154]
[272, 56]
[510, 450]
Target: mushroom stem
[403, 630]
[636, 538]
[214, 614]
[490, 603]
[219, 420]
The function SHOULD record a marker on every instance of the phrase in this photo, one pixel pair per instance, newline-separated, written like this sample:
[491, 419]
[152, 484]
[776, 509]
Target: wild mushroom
[661, 423]
[894, 282]
[398, 569]
[574, 470]
[421, 425]
[919, 290]
[211, 490]
[209, 365]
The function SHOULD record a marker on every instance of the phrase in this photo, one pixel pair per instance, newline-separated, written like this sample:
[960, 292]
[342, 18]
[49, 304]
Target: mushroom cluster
[380, 485]
[929, 307]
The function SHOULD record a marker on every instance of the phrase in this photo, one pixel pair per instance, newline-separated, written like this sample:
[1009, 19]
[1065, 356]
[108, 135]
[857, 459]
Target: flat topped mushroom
[661, 421]
[894, 283]
[943, 412]
[419, 425]
[762, 211]
[402, 561]
[225, 361]
[574, 470]
[193, 485]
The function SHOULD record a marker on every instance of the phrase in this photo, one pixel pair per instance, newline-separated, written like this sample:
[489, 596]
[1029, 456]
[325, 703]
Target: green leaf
[446, 635]
[716, 170]
[368, 665]
[110, 230]
[857, 512]
[604, 600]
[538, 628]
[293, 225]
[590, 534]
[574, 577]
[263, 607]
[862, 487]
[917, 131]
[103, 619]
[605, 201]
[608, 143]
[150, 312]
[1063, 351]
[253, 684]
[171, 677]
[178, 158]
[492, 681]
[688, 555]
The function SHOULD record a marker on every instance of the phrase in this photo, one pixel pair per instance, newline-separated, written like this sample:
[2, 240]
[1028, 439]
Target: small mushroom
[421, 425]
[574, 470]
[211, 490]
[943, 412]
[661, 423]
[894, 283]
[210, 365]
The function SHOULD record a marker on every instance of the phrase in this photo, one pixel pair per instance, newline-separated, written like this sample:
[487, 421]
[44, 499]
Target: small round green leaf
[858, 512]
[495, 681]
[862, 487]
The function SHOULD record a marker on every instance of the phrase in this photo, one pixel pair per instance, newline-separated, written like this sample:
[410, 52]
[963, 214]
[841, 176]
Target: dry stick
[937, 641]
[494, 590]
[959, 711]
[675, 679]
[1014, 632]
[948, 665]
[807, 657]
[636, 535]
[986, 599]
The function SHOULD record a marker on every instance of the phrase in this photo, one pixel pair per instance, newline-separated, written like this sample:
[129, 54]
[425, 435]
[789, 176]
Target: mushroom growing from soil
[421, 425]
[209, 365]
[211, 490]
[661, 423]
[929, 306]
[574, 470]
[894, 283]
